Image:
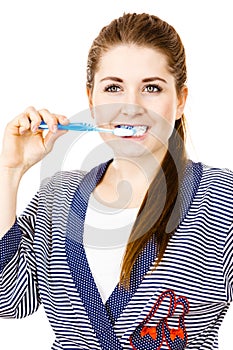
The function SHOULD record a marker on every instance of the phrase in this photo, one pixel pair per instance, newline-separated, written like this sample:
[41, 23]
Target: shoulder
[202, 179]
[219, 178]
[216, 190]
[63, 181]
[69, 181]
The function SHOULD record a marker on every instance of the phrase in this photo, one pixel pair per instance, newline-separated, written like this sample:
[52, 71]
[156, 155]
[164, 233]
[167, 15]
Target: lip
[136, 138]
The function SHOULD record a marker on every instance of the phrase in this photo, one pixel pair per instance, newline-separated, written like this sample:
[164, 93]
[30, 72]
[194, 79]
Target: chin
[132, 151]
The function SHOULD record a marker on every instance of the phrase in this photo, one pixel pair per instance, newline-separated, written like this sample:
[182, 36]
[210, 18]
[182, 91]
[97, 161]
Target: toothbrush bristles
[124, 130]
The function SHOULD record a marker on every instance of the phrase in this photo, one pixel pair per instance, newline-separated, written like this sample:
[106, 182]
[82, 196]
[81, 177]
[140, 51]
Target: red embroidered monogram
[153, 337]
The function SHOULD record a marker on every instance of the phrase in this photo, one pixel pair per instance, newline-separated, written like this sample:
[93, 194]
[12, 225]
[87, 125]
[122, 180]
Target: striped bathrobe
[180, 305]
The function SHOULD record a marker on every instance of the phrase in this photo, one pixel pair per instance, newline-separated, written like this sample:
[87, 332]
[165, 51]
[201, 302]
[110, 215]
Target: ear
[181, 101]
[89, 96]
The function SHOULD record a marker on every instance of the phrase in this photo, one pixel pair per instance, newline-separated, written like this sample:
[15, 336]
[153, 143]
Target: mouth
[139, 130]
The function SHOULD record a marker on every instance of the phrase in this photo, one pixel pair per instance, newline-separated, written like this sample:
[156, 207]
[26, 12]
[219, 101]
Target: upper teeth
[139, 129]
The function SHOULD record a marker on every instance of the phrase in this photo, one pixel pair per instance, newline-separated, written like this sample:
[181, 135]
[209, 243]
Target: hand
[24, 144]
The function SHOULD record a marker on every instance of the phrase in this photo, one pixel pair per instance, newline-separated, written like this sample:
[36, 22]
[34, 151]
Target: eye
[152, 88]
[112, 88]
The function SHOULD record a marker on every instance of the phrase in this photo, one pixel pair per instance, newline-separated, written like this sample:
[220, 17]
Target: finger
[62, 119]
[34, 117]
[50, 119]
[23, 123]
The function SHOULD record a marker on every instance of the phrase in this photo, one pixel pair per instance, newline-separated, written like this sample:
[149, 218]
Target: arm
[9, 183]
[23, 146]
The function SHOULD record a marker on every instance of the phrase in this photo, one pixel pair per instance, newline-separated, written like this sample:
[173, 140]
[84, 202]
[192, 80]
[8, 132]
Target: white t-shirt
[106, 233]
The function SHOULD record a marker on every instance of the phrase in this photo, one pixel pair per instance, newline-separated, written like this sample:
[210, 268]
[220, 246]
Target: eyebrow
[146, 80]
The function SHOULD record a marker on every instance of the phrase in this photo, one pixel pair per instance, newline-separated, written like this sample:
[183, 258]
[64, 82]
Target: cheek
[166, 106]
[106, 113]
[163, 125]
[169, 111]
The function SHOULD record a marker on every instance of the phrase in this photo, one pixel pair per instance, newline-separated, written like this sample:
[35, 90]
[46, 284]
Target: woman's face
[133, 86]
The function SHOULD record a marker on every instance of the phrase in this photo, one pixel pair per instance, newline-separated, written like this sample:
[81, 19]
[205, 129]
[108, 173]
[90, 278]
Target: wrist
[12, 173]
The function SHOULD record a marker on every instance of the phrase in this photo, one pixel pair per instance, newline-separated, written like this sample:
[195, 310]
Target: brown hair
[150, 31]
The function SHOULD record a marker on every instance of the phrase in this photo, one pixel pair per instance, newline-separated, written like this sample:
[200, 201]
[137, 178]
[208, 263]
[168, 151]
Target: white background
[43, 51]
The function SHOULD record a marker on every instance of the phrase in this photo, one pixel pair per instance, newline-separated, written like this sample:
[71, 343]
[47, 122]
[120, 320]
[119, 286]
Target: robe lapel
[120, 297]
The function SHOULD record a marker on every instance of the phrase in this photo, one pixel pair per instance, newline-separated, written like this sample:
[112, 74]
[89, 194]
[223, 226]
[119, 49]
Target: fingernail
[54, 129]
[22, 131]
[64, 120]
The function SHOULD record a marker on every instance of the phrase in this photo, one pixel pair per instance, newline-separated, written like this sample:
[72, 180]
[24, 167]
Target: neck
[137, 171]
[127, 180]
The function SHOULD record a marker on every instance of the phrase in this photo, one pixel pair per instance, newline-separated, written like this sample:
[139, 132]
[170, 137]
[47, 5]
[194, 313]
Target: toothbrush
[118, 131]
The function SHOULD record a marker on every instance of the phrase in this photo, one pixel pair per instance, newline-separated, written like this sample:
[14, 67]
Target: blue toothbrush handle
[71, 126]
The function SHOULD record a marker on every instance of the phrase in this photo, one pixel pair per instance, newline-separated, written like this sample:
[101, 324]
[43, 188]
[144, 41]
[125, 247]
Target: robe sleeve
[19, 295]
[9, 245]
[228, 264]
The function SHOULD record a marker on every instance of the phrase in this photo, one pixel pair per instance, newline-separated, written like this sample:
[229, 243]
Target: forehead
[132, 59]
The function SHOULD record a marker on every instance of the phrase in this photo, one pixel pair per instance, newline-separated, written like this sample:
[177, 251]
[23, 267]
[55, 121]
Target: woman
[160, 276]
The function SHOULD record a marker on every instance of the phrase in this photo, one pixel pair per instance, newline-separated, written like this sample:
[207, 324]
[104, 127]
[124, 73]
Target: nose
[131, 105]
[130, 109]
